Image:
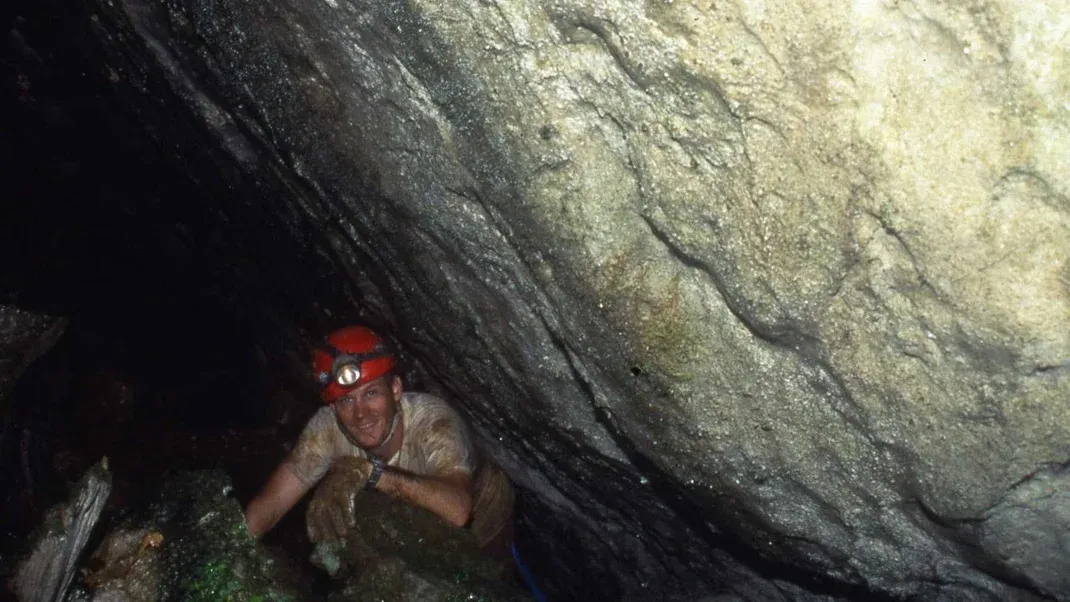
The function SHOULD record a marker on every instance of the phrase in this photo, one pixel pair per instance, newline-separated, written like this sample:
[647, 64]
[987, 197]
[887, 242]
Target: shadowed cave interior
[169, 360]
[677, 271]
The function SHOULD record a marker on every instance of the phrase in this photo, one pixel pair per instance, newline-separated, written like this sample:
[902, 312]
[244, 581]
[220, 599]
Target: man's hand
[330, 513]
[282, 490]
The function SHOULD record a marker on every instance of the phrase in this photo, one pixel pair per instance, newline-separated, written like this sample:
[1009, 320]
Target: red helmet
[350, 357]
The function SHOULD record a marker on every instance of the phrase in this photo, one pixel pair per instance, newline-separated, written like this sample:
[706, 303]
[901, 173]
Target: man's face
[368, 411]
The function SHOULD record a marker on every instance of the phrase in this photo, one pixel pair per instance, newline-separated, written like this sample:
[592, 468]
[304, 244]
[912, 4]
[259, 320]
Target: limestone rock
[760, 299]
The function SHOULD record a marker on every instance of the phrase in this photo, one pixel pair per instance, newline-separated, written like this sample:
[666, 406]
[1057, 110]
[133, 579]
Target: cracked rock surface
[764, 300]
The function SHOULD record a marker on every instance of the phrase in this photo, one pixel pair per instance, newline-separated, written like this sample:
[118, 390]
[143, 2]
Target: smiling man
[373, 435]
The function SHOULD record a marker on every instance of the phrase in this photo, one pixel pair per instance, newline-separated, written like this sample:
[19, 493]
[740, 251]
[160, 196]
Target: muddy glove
[330, 513]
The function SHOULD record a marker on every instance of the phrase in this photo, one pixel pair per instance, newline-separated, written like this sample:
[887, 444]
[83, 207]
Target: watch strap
[377, 471]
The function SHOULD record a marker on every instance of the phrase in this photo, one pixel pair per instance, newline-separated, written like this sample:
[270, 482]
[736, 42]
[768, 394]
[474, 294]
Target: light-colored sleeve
[315, 448]
[445, 442]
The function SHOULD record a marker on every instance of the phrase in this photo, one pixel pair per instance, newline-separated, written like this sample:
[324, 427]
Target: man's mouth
[367, 427]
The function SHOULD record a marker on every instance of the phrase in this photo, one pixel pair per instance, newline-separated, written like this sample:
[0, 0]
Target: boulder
[190, 544]
[759, 300]
[403, 553]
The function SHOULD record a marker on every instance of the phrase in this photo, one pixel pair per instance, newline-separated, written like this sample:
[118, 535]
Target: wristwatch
[377, 471]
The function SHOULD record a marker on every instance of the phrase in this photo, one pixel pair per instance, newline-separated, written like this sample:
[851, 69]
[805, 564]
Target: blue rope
[525, 572]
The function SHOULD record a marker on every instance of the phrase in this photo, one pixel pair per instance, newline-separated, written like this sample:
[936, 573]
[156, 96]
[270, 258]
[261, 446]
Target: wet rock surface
[24, 336]
[191, 544]
[764, 302]
[401, 552]
[55, 549]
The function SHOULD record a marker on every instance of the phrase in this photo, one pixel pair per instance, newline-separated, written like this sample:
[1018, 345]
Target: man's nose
[358, 409]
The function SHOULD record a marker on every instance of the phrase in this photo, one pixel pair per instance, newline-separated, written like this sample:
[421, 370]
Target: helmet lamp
[346, 369]
[347, 375]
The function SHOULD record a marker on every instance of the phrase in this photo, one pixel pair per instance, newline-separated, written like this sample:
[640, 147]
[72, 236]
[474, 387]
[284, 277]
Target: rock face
[404, 553]
[764, 299]
[47, 570]
[190, 544]
[24, 336]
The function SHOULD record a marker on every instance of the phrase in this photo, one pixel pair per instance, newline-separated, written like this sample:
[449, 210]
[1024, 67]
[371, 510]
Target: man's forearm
[260, 516]
[275, 499]
[449, 497]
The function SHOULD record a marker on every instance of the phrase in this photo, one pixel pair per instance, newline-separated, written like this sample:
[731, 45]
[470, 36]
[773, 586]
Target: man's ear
[395, 386]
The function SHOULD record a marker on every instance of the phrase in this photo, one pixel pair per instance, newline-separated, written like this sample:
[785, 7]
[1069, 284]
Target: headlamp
[345, 368]
[347, 375]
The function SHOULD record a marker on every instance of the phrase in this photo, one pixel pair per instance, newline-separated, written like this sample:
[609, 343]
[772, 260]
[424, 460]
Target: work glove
[331, 512]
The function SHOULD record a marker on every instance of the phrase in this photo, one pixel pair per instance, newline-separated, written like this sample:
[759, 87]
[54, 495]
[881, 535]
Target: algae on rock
[191, 544]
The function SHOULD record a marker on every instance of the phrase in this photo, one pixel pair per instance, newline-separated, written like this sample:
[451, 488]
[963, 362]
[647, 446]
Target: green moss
[658, 306]
[209, 554]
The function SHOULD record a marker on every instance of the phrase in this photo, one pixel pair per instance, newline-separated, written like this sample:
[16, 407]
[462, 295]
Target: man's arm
[448, 496]
[275, 499]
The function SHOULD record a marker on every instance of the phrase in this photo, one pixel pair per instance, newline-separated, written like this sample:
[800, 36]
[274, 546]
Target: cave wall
[24, 337]
[769, 300]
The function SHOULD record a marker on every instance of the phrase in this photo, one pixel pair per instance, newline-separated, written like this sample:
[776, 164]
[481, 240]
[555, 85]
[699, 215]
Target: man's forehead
[382, 381]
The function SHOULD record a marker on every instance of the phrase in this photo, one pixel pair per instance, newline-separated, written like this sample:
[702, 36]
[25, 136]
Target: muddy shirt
[436, 441]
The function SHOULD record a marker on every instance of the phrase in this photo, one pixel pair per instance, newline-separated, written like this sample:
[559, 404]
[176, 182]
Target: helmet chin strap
[393, 427]
[389, 435]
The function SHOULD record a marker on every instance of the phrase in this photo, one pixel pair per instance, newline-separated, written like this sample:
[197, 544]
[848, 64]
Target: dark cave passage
[164, 365]
[192, 396]
[188, 305]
